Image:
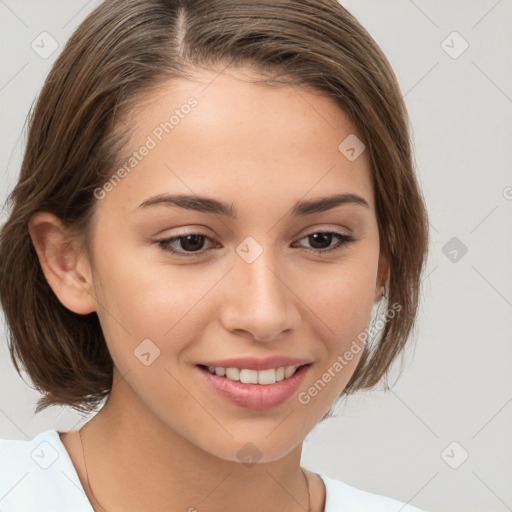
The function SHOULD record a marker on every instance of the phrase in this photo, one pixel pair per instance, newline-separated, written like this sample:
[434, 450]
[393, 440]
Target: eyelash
[343, 240]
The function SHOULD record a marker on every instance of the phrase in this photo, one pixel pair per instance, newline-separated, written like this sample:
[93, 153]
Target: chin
[250, 449]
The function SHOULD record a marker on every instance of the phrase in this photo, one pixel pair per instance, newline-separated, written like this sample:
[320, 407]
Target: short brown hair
[125, 49]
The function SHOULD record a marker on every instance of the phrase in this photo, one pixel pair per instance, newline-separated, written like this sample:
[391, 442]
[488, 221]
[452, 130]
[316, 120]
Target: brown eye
[321, 241]
[187, 245]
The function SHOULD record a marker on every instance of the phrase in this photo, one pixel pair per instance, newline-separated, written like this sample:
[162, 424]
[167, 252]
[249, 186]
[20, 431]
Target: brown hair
[125, 49]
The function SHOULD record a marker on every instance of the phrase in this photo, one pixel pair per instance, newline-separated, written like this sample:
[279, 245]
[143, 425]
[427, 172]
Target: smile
[248, 376]
[253, 389]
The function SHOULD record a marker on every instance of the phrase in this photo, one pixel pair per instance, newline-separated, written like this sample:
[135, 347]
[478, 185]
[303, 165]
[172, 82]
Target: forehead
[221, 135]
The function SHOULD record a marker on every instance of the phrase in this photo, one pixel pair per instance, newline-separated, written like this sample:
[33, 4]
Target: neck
[135, 462]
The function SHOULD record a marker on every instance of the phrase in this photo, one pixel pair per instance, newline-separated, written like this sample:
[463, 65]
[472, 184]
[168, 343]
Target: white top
[38, 476]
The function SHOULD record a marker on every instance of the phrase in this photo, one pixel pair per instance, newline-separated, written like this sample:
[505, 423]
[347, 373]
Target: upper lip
[252, 363]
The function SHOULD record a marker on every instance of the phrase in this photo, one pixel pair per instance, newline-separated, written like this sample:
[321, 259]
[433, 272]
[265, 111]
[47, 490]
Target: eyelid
[164, 241]
[188, 229]
[343, 239]
[325, 228]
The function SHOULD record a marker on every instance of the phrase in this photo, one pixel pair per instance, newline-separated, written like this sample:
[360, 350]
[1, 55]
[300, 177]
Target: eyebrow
[210, 205]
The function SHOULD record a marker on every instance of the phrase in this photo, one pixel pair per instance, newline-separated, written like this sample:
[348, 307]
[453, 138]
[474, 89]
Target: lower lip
[255, 396]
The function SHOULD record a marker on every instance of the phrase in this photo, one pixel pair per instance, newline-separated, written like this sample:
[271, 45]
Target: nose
[259, 300]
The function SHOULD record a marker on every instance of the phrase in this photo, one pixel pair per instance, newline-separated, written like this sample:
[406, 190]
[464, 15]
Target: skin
[163, 440]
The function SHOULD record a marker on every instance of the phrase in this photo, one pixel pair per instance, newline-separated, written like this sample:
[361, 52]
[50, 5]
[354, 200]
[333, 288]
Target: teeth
[267, 376]
[233, 373]
[289, 371]
[249, 376]
[263, 377]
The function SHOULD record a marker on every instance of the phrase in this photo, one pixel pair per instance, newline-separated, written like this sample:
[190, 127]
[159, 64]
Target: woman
[215, 195]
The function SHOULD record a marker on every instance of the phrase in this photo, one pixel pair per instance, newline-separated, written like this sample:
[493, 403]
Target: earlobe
[64, 264]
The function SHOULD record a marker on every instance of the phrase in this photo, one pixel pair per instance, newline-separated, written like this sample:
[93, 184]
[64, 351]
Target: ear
[382, 275]
[65, 265]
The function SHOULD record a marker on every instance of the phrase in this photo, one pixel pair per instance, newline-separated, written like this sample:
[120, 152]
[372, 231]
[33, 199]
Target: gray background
[454, 396]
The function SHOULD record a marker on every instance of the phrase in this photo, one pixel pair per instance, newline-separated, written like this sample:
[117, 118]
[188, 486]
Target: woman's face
[255, 285]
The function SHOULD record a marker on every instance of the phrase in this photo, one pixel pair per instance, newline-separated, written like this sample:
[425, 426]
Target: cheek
[149, 299]
[341, 302]
[341, 296]
[143, 295]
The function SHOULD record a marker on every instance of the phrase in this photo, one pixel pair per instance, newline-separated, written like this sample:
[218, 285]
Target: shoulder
[38, 475]
[341, 496]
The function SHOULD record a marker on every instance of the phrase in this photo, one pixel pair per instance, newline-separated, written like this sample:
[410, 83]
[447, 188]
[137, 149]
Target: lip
[254, 396]
[252, 363]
